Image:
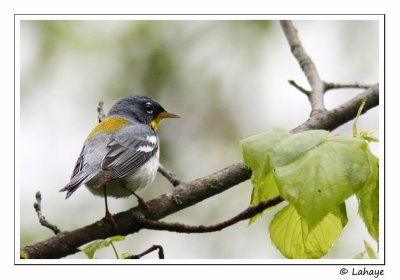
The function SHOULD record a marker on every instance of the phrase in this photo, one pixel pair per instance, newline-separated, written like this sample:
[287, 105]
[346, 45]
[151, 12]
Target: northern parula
[121, 154]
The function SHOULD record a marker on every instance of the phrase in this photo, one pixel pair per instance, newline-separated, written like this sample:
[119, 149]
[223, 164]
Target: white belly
[137, 180]
[144, 175]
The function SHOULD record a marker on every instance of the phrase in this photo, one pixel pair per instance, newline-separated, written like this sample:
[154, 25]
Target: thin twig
[329, 86]
[343, 113]
[171, 177]
[38, 207]
[303, 90]
[316, 96]
[148, 251]
[100, 111]
[183, 228]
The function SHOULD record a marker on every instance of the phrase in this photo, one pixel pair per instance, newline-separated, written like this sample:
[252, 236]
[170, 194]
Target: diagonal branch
[186, 194]
[316, 95]
[300, 88]
[171, 177]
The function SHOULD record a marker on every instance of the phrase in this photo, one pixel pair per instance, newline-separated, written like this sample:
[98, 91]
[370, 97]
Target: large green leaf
[368, 202]
[256, 150]
[316, 171]
[296, 146]
[292, 236]
[264, 189]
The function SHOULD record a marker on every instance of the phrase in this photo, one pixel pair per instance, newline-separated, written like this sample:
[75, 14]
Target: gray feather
[107, 157]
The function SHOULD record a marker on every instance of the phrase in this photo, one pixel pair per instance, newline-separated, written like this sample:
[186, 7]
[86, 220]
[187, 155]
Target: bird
[120, 156]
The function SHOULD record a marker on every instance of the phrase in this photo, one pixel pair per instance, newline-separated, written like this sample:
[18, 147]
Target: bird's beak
[167, 115]
[164, 115]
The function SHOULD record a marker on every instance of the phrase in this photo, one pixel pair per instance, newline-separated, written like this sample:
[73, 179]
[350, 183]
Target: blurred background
[227, 79]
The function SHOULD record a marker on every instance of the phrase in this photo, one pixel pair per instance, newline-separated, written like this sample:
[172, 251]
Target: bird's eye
[149, 108]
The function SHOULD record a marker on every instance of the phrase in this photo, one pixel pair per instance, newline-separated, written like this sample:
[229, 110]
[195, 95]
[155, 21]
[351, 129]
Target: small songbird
[121, 154]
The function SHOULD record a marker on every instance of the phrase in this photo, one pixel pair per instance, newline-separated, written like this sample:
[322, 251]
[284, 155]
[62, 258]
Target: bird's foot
[110, 218]
[142, 202]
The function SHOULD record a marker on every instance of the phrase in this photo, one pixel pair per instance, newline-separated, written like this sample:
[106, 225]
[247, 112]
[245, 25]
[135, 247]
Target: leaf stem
[355, 131]
[114, 249]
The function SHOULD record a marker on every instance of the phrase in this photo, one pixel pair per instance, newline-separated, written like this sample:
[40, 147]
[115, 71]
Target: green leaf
[91, 249]
[255, 152]
[360, 255]
[355, 130]
[264, 189]
[368, 202]
[255, 148]
[364, 134]
[316, 171]
[294, 147]
[367, 135]
[368, 250]
[293, 238]
[117, 238]
[341, 213]
[371, 253]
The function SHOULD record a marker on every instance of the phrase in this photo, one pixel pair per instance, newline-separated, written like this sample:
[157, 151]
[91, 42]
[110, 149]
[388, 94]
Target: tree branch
[148, 251]
[186, 194]
[100, 111]
[42, 220]
[329, 86]
[330, 120]
[303, 90]
[183, 228]
[171, 177]
[316, 95]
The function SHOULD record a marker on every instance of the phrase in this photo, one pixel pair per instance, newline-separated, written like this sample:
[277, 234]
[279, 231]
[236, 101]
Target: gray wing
[79, 175]
[129, 149]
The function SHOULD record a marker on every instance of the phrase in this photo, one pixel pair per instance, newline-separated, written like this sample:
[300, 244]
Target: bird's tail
[76, 181]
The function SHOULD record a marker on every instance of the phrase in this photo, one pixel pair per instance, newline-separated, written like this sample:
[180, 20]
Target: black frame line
[224, 264]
